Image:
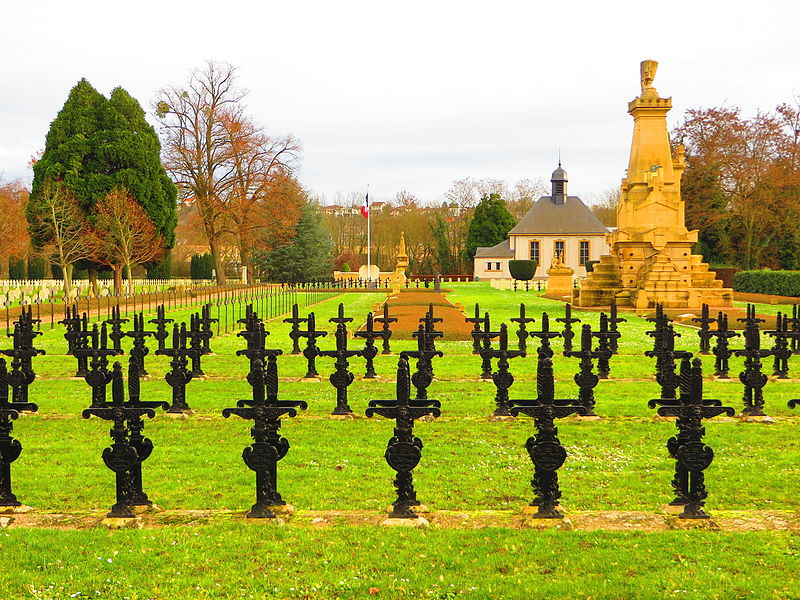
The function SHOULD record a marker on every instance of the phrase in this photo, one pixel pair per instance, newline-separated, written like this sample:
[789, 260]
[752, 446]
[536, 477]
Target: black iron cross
[340, 319]
[604, 337]
[545, 335]
[704, 333]
[385, 320]
[99, 376]
[121, 457]
[116, 321]
[10, 448]
[545, 448]
[613, 321]
[370, 351]
[476, 329]
[522, 332]
[139, 349]
[665, 355]
[161, 321]
[294, 334]
[423, 376]
[405, 449]
[752, 378]
[268, 447]
[179, 375]
[311, 351]
[341, 377]
[585, 377]
[721, 349]
[485, 336]
[568, 334]
[781, 351]
[503, 379]
[431, 333]
[692, 456]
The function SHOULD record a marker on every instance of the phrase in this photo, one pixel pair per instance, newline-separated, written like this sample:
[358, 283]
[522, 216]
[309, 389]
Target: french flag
[365, 206]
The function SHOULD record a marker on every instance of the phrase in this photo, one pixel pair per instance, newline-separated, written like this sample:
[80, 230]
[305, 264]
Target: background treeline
[211, 182]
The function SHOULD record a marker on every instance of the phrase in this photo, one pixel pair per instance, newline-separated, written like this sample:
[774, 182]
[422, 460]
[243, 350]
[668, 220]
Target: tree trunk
[66, 273]
[117, 270]
[217, 260]
[92, 271]
[244, 256]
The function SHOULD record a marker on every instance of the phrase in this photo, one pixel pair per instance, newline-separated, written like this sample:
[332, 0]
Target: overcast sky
[410, 95]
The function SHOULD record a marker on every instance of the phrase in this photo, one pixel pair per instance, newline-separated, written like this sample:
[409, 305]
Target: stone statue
[558, 261]
[648, 70]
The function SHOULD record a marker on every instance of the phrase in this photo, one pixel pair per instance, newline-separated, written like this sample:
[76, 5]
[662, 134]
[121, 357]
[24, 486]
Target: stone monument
[399, 275]
[559, 278]
[651, 258]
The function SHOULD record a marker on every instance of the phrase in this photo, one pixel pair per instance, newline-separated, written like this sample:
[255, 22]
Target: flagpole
[369, 241]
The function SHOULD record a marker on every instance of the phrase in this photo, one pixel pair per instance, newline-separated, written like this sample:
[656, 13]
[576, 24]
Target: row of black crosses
[607, 345]
[786, 337]
[82, 341]
[130, 448]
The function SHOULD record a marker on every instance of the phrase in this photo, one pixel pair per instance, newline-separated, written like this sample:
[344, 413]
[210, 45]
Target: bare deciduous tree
[125, 236]
[58, 218]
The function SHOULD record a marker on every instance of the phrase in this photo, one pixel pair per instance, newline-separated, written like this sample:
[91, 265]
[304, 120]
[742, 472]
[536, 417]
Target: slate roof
[572, 217]
[501, 250]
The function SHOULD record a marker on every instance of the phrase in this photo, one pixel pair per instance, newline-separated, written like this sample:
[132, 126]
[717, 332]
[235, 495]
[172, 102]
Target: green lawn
[469, 464]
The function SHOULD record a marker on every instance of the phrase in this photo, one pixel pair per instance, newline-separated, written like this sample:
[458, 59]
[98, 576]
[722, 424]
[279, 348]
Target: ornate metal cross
[10, 448]
[585, 377]
[503, 379]
[752, 377]
[405, 449]
[423, 376]
[161, 321]
[268, 447]
[341, 377]
[311, 351]
[522, 332]
[294, 333]
[370, 351]
[691, 455]
[568, 334]
[139, 349]
[385, 320]
[544, 448]
[121, 457]
[704, 333]
[179, 374]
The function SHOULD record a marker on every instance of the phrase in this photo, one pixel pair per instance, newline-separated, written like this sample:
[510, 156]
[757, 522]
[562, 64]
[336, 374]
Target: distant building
[554, 224]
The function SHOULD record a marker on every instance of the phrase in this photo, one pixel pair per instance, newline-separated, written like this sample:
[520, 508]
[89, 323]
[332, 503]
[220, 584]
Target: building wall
[481, 272]
[520, 244]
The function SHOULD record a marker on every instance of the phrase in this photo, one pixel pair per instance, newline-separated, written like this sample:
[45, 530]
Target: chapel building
[557, 224]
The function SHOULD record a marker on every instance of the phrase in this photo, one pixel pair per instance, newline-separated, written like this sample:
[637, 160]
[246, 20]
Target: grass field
[474, 476]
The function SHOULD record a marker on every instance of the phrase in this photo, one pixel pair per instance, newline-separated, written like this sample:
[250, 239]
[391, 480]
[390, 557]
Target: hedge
[589, 265]
[522, 269]
[779, 283]
[201, 266]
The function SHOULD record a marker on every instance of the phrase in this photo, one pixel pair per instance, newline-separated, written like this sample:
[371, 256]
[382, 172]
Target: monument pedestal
[559, 282]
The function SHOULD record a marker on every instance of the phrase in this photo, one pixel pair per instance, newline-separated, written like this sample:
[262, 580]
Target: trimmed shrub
[161, 270]
[778, 283]
[589, 265]
[16, 268]
[36, 268]
[202, 266]
[522, 269]
[345, 268]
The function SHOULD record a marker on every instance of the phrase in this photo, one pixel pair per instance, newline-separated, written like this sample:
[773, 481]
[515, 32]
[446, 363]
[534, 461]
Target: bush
[201, 266]
[779, 283]
[522, 269]
[589, 265]
[161, 270]
[16, 268]
[345, 268]
[36, 268]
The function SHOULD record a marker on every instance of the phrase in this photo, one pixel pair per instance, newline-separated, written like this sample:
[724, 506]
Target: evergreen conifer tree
[490, 224]
[307, 257]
